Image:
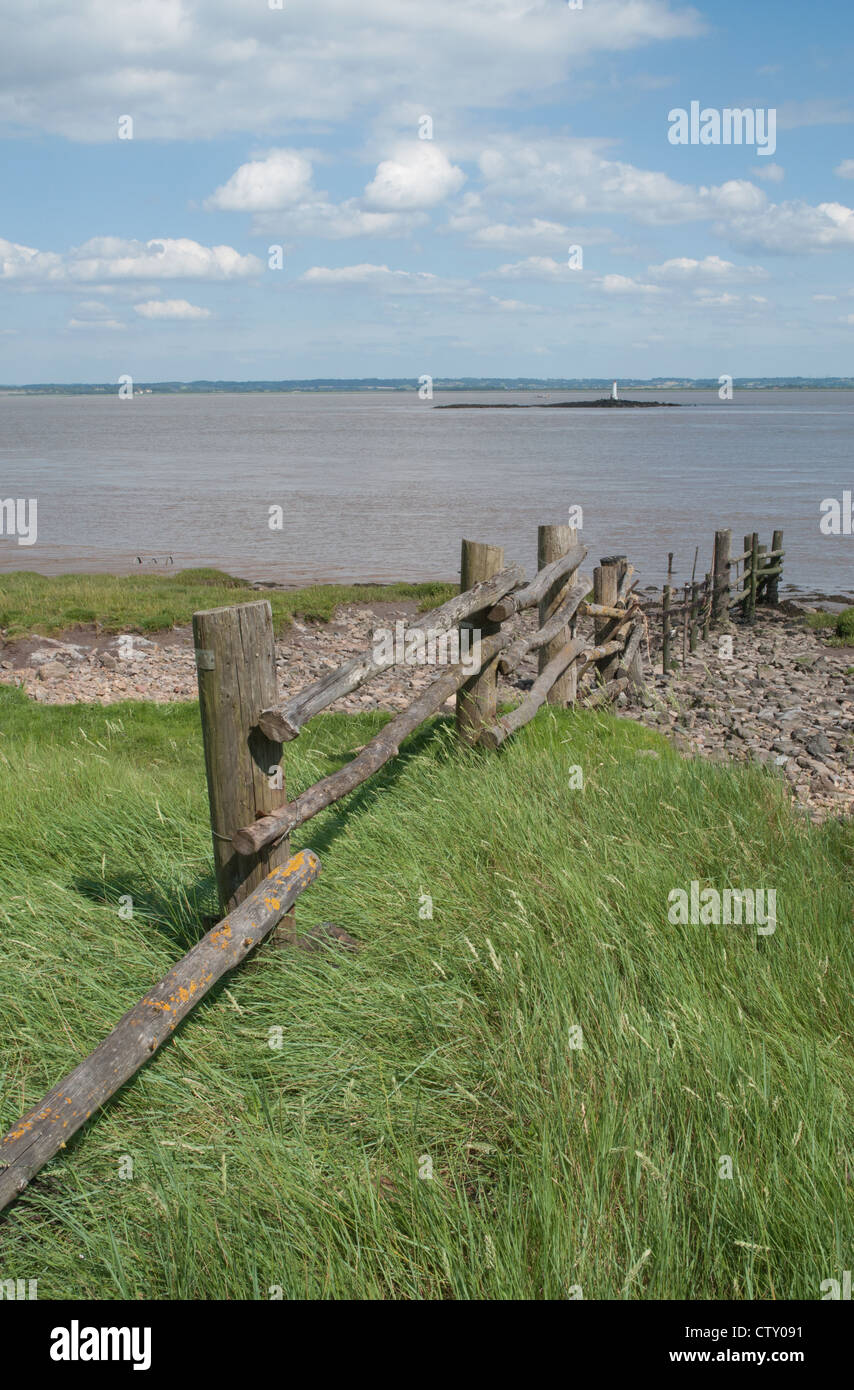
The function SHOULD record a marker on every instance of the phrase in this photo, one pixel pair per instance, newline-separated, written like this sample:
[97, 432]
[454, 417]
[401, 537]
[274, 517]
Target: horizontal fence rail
[46, 1129]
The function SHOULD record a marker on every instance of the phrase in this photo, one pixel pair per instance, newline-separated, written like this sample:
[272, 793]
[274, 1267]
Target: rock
[820, 746]
[53, 671]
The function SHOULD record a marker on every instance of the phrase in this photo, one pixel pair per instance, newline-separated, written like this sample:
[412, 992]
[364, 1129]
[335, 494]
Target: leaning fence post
[720, 597]
[477, 700]
[236, 664]
[552, 542]
[707, 606]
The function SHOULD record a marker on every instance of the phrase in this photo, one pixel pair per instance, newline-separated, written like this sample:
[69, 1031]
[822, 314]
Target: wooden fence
[734, 585]
[244, 729]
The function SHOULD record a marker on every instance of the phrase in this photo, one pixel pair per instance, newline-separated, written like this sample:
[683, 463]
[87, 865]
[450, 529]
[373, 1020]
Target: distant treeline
[466, 383]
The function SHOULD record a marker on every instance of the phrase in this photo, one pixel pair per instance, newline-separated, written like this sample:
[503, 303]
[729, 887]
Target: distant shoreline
[322, 386]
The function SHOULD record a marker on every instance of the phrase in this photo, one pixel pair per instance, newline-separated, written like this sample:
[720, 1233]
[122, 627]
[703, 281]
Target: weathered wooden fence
[734, 586]
[243, 732]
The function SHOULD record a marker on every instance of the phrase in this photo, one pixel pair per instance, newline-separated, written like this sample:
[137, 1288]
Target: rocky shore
[783, 698]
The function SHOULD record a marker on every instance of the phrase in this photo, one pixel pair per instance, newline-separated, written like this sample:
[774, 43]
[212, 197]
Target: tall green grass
[446, 1044]
[47, 604]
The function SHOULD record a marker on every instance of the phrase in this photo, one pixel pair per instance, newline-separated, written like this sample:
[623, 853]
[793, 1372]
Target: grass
[840, 625]
[446, 1044]
[37, 603]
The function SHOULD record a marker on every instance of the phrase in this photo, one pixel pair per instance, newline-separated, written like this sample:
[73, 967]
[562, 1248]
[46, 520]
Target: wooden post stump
[477, 700]
[606, 586]
[772, 587]
[720, 592]
[552, 542]
[665, 629]
[236, 661]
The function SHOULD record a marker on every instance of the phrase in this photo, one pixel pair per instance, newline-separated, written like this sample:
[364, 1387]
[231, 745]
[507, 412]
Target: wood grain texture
[549, 573]
[558, 557]
[237, 678]
[477, 697]
[560, 620]
[46, 1129]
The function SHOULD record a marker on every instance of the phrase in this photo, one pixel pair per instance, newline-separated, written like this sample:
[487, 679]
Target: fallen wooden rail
[46, 1129]
[384, 746]
[284, 722]
[533, 592]
[530, 642]
[508, 724]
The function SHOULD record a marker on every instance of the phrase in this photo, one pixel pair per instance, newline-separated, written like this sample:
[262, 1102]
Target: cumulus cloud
[845, 170]
[195, 69]
[794, 226]
[570, 176]
[419, 176]
[535, 268]
[682, 269]
[279, 179]
[625, 284]
[104, 259]
[379, 276]
[170, 309]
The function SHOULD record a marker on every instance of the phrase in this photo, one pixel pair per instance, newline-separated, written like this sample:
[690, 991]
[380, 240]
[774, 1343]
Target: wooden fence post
[720, 595]
[606, 585]
[477, 700]
[236, 661]
[707, 606]
[754, 576]
[665, 629]
[772, 587]
[695, 612]
[552, 542]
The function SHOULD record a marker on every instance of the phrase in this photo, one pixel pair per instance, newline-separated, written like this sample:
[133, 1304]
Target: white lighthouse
[614, 391]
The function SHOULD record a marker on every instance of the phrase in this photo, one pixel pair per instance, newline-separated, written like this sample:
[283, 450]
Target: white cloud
[768, 173]
[537, 234]
[111, 258]
[419, 176]
[279, 179]
[571, 177]
[380, 276]
[794, 226]
[624, 284]
[170, 309]
[191, 70]
[535, 268]
[682, 269]
[845, 170]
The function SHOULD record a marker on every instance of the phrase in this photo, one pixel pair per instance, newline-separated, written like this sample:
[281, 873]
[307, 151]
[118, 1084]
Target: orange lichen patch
[183, 995]
[18, 1133]
[272, 905]
[220, 938]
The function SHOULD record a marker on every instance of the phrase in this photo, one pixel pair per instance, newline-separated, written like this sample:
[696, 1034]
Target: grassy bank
[44, 604]
[445, 1044]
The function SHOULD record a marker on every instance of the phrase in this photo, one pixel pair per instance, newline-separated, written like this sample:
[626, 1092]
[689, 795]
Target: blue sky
[255, 127]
